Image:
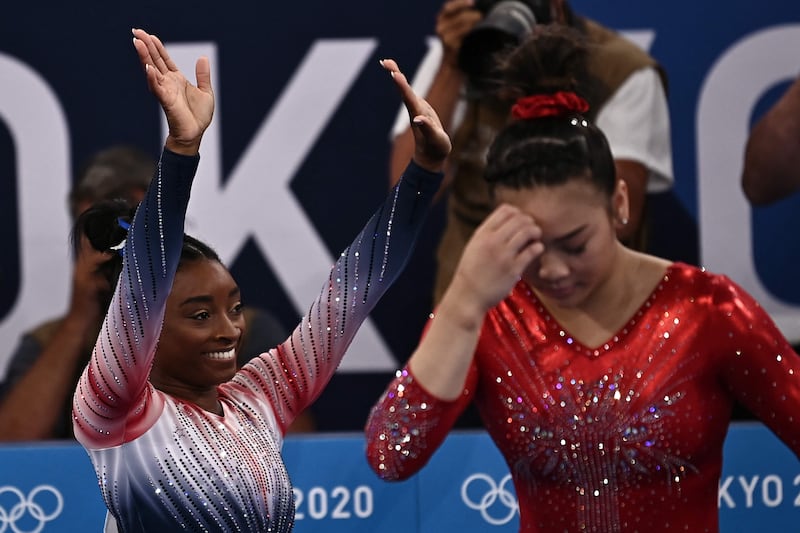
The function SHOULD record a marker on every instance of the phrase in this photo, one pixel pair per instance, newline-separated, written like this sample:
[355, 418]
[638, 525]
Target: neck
[619, 287]
[206, 399]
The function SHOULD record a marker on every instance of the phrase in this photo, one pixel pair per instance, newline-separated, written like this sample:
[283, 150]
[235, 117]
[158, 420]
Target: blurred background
[298, 155]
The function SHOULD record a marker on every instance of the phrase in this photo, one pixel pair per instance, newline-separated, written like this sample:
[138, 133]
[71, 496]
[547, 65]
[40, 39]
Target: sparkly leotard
[626, 436]
[164, 464]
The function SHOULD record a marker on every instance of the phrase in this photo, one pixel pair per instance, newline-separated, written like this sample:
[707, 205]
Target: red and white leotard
[164, 464]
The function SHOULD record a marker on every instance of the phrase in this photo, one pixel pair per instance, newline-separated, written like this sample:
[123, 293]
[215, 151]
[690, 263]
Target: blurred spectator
[772, 155]
[35, 397]
[628, 104]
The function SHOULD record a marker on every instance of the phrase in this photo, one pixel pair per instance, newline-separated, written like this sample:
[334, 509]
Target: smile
[222, 356]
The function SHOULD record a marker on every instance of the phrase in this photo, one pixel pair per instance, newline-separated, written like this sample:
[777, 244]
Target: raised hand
[431, 142]
[188, 107]
[453, 23]
[496, 257]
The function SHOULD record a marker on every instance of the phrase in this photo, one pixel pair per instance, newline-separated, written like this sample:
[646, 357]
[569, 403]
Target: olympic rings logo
[494, 494]
[28, 505]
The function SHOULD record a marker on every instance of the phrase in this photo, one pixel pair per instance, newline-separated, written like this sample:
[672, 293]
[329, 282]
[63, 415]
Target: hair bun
[549, 105]
[553, 59]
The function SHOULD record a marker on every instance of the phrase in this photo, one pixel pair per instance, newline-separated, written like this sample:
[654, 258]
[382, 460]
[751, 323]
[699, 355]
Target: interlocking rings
[495, 493]
[28, 505]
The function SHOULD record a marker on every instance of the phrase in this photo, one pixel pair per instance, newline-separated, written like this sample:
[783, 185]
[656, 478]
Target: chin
[574, 297]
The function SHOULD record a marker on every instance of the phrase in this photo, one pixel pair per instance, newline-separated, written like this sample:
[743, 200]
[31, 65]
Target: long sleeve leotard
[164, 464]
[624, 436]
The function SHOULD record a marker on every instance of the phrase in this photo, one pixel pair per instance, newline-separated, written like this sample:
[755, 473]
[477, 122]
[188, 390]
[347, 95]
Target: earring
[623, 221]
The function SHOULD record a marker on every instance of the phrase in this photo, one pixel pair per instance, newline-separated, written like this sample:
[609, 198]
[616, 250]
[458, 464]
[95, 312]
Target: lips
[559, 291]
[227, 355]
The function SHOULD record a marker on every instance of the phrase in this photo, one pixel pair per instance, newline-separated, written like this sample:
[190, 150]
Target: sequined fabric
[625, 436]
[166, 465]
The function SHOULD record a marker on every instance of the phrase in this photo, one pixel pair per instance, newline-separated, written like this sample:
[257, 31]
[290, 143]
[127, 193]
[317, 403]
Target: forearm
[772, 154]
[35, 403]
[443, 96]
[442, 360]
[420, 406]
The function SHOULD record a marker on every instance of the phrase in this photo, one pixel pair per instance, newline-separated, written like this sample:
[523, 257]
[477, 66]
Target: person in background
[45, 366]
[180, 437]
[605, 376]
[628, 104]
[772, 154]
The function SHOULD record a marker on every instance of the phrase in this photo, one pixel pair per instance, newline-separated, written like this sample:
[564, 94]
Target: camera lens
[505, 25]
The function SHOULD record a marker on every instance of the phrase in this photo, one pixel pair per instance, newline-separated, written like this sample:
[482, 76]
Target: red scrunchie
[548, 105]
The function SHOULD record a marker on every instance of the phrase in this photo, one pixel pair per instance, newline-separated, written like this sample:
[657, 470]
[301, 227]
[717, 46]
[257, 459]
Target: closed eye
[575, 250]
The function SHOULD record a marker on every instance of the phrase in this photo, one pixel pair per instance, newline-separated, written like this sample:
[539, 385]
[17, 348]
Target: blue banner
[465, 487]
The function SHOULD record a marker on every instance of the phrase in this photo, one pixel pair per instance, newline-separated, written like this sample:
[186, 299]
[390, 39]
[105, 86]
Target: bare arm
[493, 261]
[454, 21]
[772, 155]
[32, 408]
[34, 405]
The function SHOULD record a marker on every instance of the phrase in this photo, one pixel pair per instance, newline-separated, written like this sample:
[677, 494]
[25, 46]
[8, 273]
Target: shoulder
[713, 289]
[613, 57]
[610, 44]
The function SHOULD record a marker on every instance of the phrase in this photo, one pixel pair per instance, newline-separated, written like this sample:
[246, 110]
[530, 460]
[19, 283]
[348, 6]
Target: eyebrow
[564, 238]
[207, 298]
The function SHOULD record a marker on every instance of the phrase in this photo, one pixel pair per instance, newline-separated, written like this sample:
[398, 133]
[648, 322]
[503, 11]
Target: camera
[505, 24]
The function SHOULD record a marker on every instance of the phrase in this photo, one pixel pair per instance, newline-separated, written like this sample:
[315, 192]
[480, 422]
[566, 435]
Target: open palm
[188, 107]
[432, 144]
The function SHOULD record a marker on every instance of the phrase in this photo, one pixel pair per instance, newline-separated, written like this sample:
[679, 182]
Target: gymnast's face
[579, 237]
[202, 332]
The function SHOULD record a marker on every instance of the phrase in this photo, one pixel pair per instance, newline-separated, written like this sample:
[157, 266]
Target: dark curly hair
[104, 225]
[549, 150]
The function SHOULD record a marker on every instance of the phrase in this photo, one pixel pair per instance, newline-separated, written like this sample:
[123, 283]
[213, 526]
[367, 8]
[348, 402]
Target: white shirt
[635, 120]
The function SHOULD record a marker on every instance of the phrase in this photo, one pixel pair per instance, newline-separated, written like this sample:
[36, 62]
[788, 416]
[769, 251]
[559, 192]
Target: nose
[230, 328]
[552, 267]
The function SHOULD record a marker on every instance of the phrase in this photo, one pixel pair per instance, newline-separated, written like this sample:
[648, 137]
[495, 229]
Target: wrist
[182, 147]
[429, 164]
[82, 314]
[461, 308]
[449, 68]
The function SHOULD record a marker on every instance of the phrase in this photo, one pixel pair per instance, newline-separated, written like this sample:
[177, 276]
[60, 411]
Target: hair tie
[548, 105]
[120, 248]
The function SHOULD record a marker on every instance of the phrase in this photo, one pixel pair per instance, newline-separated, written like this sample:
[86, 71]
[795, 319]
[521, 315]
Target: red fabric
[548, 105]
[625, 436]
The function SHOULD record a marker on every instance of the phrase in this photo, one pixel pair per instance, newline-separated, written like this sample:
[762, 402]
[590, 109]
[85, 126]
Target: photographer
[627, 96]
[47, 362]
